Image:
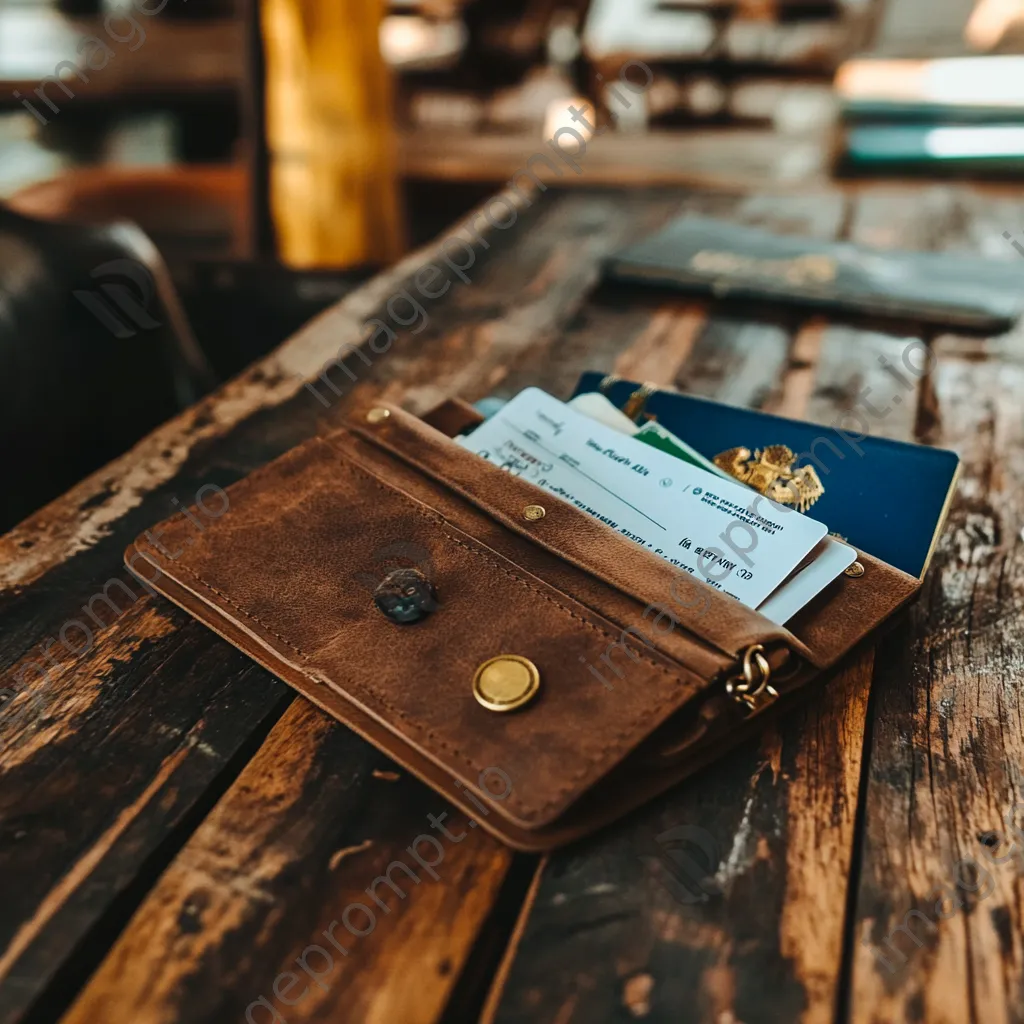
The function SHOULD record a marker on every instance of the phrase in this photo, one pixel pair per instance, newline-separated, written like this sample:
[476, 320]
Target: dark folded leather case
[287, 573]
[706, 256]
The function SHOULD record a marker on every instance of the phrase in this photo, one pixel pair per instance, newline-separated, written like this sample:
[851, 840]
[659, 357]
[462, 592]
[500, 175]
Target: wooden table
[177, 828]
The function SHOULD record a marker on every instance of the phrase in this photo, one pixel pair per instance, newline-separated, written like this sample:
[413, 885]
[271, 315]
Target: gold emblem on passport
[808, 270]
[771, 472]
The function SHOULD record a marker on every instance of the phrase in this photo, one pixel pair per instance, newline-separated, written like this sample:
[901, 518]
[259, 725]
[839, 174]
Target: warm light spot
[413, 41]
[559, 115]
[989, 21]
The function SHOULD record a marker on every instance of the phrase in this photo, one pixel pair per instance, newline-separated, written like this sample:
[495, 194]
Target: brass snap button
[405, 596]
[506, 682]
[854, 570]
[376, 414]
[534, 512]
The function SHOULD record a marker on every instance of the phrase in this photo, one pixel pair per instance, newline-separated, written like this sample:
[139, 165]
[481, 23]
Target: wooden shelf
[716, 157]
[175, 58]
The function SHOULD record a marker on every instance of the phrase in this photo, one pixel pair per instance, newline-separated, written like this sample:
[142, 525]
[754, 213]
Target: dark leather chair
[95, 351]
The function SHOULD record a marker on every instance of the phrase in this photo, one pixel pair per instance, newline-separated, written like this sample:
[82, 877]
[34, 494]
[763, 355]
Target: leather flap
[574, 536]
[845, 612]
[291, 569]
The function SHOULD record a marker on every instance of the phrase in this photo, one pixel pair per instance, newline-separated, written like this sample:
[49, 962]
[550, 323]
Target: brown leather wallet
[645, 672]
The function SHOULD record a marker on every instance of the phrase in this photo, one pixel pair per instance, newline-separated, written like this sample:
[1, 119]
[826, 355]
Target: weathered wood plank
[282, 865]
[936, 931]
[516, 316]
[127, 749]
[617, 330]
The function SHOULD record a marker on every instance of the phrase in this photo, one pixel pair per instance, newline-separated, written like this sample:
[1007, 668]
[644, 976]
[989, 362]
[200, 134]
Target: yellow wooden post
[333, 179]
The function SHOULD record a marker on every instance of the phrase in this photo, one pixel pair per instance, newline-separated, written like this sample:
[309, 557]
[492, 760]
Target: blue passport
[888, 498]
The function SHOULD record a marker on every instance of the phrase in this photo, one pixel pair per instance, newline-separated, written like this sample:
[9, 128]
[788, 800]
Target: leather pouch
[707, 256]
[646, 672]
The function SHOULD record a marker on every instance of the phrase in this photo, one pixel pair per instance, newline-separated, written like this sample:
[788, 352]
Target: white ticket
[830, 558]
[728, 535]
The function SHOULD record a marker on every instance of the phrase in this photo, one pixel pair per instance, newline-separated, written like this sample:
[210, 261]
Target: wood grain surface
[937, 918]
[176, 831]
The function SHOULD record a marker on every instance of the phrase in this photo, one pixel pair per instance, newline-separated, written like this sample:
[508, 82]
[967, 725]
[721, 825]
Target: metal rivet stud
[405, 596]
[534, 512]
[854, 570]
[376, 414]
[506, 682]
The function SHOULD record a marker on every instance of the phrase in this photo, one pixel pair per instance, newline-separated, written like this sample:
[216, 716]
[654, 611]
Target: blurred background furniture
[277, 152]
[329, 141]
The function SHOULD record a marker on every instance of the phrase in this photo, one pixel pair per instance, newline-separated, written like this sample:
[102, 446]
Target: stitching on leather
[312, 678]
[255, 618]
[605, 756]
